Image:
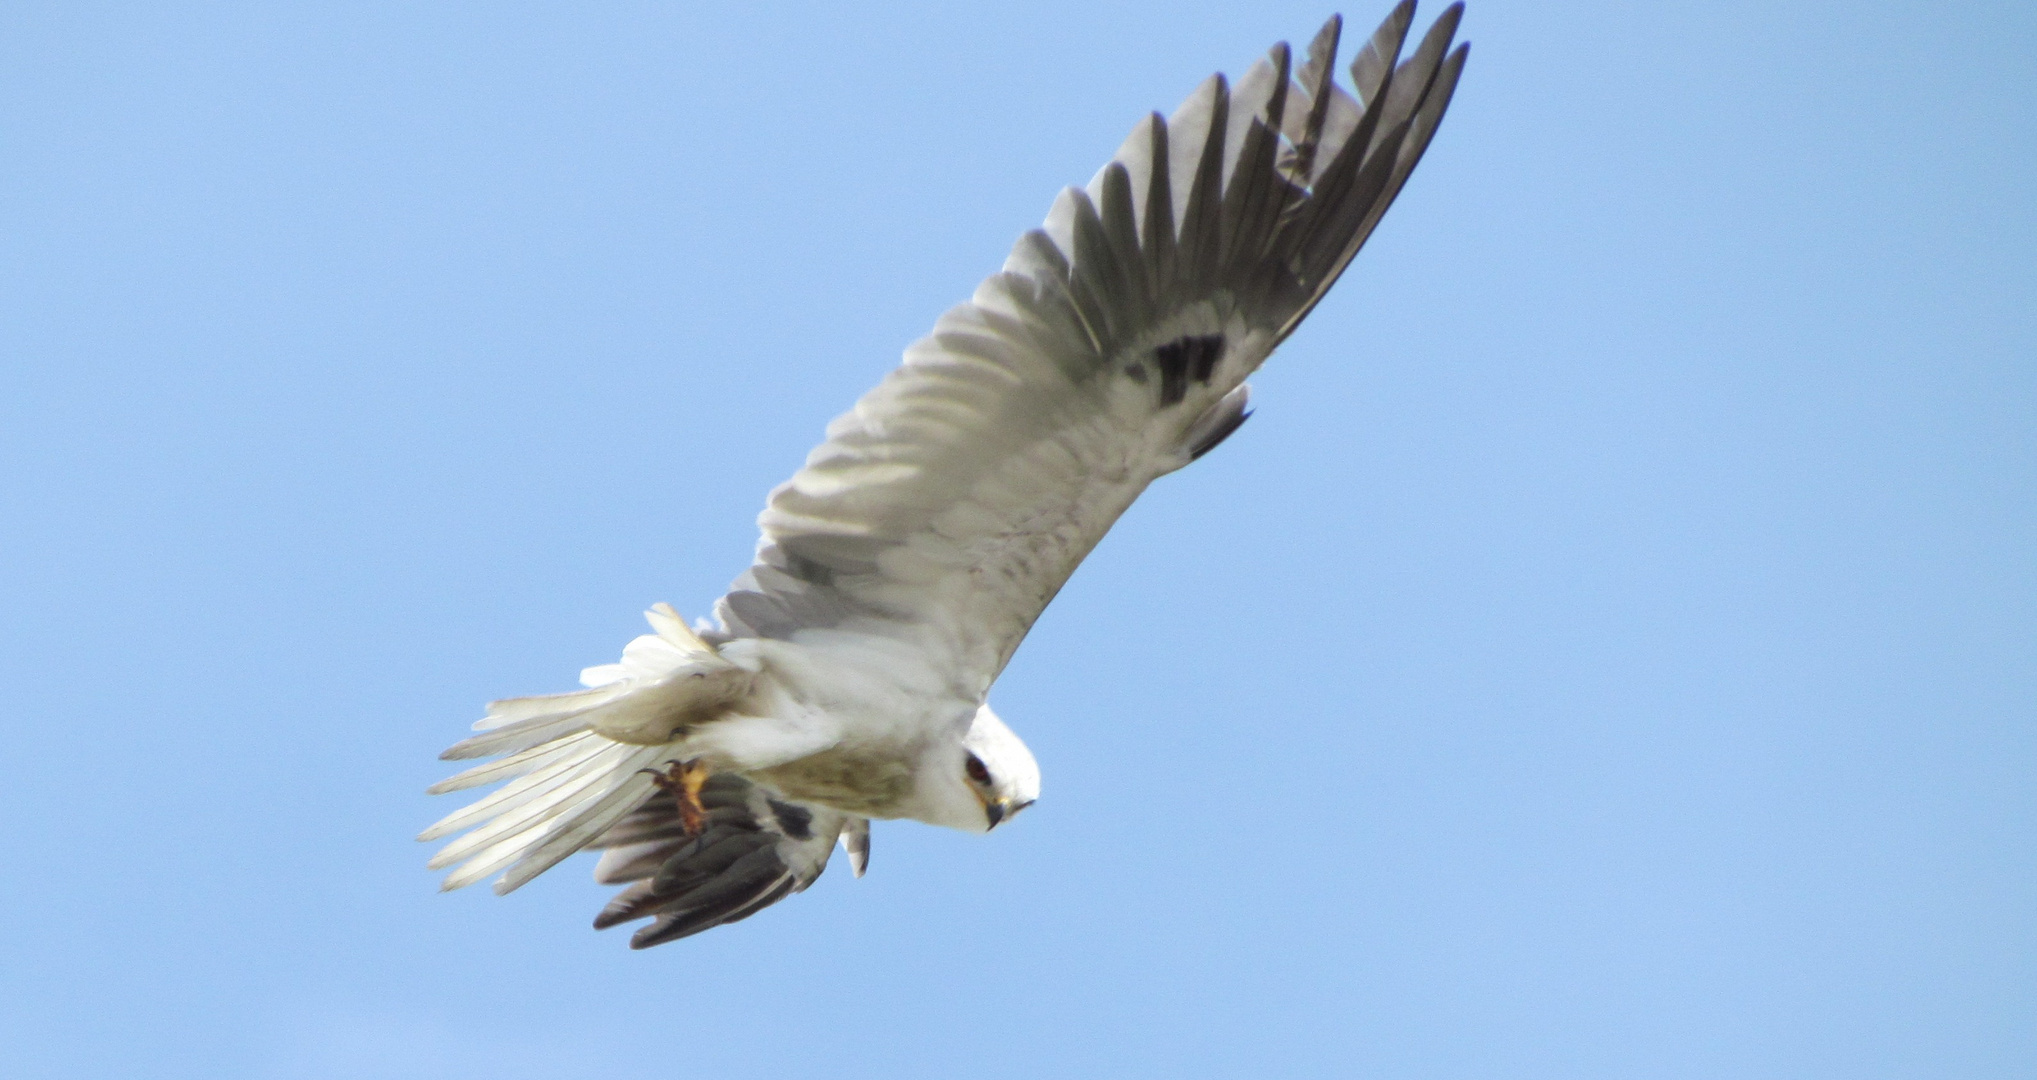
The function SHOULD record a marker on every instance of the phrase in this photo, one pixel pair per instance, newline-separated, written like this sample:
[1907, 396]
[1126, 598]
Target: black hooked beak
[1001, 809]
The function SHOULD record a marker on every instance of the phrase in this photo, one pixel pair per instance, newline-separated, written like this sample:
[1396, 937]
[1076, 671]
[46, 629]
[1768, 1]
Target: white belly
[838, 719]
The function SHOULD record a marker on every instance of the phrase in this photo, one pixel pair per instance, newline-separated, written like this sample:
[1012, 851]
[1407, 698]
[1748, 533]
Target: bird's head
[982, 777]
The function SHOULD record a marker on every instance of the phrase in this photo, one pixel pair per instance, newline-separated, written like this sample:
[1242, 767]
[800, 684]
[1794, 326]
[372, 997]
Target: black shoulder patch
[796, 821]
[1186, 358]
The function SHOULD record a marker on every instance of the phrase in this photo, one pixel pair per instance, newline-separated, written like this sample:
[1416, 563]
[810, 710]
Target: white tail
[575, 759]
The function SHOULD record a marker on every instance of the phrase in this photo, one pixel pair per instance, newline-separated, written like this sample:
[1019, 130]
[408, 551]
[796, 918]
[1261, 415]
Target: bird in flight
[845, 675]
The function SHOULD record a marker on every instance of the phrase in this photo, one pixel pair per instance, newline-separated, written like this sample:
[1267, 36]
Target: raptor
[845, 676]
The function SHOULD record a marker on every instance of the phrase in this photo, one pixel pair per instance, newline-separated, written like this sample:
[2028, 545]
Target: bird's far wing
[755, 850]
[950, 505]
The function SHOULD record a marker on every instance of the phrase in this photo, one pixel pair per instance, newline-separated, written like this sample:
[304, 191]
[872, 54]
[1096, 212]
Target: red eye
[976, 771]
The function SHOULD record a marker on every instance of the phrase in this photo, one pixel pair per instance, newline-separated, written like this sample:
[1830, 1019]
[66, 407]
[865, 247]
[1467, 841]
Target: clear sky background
[1611, 651]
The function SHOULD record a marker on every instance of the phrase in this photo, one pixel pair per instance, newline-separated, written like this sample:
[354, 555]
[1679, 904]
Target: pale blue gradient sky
[1608, 653]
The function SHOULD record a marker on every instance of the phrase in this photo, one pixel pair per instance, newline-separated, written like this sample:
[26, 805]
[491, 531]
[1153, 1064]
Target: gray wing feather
[755, 850]
[952, 503]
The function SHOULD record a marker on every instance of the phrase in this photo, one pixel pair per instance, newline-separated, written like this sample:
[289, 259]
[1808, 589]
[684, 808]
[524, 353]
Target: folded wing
[754, 850]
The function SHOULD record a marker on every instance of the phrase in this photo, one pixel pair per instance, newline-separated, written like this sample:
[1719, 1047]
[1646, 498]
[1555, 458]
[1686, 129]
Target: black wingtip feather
[1318, 75]
[1202, 219]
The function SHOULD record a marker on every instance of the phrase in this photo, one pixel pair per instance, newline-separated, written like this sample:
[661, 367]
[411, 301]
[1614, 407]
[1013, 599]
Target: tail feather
[539, 843]
[518, 709]
[491, 861]
[542, 784]
[590, 780]
[520, 736]
[588, 824]
[569, 777]
[519, 764]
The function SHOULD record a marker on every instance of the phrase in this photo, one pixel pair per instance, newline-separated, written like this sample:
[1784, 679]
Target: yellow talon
[684, 779]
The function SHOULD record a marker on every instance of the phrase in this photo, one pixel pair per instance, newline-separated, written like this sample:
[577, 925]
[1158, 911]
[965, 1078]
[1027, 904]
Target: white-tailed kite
[845, 677]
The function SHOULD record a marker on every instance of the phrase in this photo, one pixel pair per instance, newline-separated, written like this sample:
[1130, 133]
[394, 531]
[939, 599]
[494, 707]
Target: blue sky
[1607, 653]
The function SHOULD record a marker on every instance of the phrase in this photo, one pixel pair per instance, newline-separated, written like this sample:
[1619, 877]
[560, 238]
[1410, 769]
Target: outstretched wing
[755, 850]
[954, 501]
[957, 497]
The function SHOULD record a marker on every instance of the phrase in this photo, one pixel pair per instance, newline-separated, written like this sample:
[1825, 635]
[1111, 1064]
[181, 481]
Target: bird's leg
[684, 779]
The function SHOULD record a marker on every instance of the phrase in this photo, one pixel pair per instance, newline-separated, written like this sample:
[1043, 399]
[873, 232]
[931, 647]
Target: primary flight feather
[846, 673]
